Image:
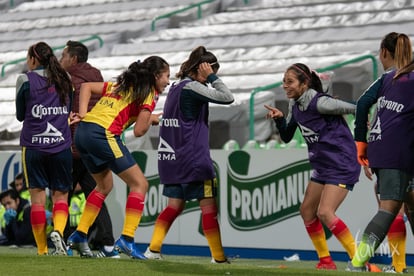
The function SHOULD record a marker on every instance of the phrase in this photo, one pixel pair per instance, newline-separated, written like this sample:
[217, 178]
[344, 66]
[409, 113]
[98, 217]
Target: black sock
[378, 227]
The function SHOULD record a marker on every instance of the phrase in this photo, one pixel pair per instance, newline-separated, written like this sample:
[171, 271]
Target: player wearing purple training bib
[184, 163]
[43, 104]
[332, 155]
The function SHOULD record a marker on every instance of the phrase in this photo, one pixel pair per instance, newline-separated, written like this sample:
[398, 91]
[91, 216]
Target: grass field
[24, 261]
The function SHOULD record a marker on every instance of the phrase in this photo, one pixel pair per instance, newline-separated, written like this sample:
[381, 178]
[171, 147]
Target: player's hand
[362, 153]
[204, 70]
[74, 118]
[273, 112]
[368, 172]
[156, 118]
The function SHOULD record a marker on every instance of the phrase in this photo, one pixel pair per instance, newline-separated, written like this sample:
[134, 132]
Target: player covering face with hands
[190, 174]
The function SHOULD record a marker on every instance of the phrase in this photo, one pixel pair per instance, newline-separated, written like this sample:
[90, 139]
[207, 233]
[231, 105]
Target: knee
[138, 185]
[324, 215]
[209, 209]
[302, 210]
[307, 213]
[104, 189]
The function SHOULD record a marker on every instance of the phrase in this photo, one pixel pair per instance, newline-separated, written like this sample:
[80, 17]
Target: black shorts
[48, 170]
[193, 190]
[392, 184]
[340, 185]
[100, 149]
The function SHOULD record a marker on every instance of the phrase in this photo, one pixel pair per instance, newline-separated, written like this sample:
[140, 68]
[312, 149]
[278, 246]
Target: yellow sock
[317, 236]
[133, 213]
[211, 231]
[60, 216]
[93, 206]
[344, 236]
[397, 243]
[161, 227]
[38, 221]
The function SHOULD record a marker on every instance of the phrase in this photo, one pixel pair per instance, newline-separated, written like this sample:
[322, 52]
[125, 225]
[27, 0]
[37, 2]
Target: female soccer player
[190, 175]
[98, 139]
[43, 104]
[332, 155]
[387, 154]
[395, 53]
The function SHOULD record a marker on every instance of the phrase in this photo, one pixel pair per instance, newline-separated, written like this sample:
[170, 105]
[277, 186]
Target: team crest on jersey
[375, 132]
[50, 136]
[165, 151]
[308, 134]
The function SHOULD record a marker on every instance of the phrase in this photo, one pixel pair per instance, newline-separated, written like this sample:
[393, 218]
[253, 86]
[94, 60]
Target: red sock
[317, 236]
[38, 221]
[344, 236]
[60, 216]
[161, 227]
[212, 231]
[133, 213]
[93, 206]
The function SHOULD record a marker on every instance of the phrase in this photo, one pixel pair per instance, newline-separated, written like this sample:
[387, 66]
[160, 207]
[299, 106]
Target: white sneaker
[152, 255]
[293, 258]
[226, 261]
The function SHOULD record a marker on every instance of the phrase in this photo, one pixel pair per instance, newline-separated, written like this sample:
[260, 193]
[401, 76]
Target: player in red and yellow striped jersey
[98, 139]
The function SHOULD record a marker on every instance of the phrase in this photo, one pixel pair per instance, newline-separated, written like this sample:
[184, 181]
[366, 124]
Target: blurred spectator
[76, 207]
[18, 229]
[19, 186]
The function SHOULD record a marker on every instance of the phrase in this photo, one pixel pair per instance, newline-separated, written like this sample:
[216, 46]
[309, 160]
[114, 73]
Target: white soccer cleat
[226, 261]
[152, 255]
[60, 246]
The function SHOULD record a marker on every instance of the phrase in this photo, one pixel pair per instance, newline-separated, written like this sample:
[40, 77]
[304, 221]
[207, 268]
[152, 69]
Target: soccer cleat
[60, 246]
[128, 248]
[214, 261]
[373, 267]
[79, 242]
[152, 255]
[352, 268]
[326, 266]
[103, 253]
[326, 263]
[391, 269]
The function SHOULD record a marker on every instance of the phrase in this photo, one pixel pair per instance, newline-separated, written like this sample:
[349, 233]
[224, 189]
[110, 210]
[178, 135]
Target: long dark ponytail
[54, 71]
[138, 81]
[305, 74]
[197, 56]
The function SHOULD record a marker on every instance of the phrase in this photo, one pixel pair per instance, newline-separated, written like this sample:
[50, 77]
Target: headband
[35, 53]
[299, 69]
